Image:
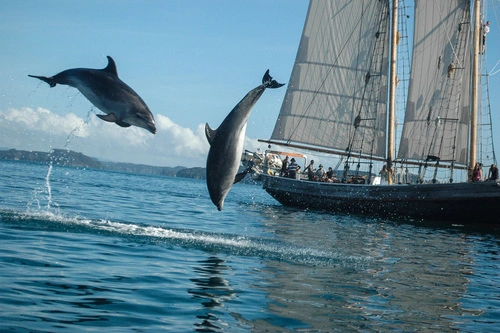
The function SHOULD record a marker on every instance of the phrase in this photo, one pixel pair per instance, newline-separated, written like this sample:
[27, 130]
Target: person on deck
[310, 170]
[477, 173]
[320, 174]
[284, 167]
[329, 175]
[493, 173]
[384, 175]
[292, 169]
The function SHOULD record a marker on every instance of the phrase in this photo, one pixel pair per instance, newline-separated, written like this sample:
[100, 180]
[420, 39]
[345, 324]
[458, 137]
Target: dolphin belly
[223, 163]
[102, 103]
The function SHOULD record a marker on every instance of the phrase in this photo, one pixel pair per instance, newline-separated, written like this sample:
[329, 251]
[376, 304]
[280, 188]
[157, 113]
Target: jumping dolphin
[107, 92]
[226, 144]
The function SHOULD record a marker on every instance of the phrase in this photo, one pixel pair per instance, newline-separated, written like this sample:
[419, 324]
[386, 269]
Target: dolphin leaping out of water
[226, 144]
[104, 89]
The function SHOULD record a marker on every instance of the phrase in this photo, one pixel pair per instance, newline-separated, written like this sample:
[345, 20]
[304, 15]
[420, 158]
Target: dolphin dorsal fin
[111, 67]
[210, 133]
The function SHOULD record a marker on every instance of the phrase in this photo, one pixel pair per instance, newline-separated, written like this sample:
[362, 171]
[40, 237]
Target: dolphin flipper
[268, 81]
[240, 176]
[50, 80]
[108, 117]
[113, 119]
[210, 133]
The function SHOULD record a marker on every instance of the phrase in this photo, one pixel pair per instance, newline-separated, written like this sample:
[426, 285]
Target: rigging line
[447, 33]
[428, 141]
[490, 119]
[339, 163]
[452, 90]
[326, 77]
[379, 48]
[368, 88]
[403, 71]
[496, 70]
[352, 139]
[494, 6]
[491, 74]
[454, 84]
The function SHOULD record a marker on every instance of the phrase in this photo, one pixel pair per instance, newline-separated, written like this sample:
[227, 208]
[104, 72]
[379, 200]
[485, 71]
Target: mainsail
[337, 94]
[437, 116]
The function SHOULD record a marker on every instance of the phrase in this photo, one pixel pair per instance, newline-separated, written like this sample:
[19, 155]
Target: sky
[191, 61]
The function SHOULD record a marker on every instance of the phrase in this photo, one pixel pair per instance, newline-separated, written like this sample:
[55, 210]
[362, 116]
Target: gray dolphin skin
[108, 93]
[226, 144]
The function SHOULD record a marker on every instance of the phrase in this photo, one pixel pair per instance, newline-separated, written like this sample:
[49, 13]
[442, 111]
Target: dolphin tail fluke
[50, 80]
[268, 81]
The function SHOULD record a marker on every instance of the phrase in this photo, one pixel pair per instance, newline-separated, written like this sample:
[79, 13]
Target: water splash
[49, 188]
[51, 160]
[85, 123]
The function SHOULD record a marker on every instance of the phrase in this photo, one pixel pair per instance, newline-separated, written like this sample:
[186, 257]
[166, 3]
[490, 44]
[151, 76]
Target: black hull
[473, 204]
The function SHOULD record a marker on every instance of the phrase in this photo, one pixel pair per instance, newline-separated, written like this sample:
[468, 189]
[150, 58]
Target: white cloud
[184, 140]
[42, 119]
[40, 129]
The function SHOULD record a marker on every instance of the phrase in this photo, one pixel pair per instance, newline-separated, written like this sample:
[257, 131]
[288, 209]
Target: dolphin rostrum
[104, 89]
[226, 144]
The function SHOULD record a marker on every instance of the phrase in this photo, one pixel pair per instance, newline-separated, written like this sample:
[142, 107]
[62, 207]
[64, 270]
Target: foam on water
[204, 241]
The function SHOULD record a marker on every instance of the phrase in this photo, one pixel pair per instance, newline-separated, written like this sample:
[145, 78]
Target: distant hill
[57, 156]
[70, 158]
[196, 173]
[142, 169]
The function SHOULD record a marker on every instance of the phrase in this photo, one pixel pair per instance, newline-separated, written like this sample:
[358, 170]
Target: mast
[475, 88]
[392, 90]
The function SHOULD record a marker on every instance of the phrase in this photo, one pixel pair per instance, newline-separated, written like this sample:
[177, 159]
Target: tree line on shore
[70, 158]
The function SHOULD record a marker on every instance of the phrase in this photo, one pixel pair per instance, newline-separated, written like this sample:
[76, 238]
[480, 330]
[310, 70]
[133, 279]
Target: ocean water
[93, 251]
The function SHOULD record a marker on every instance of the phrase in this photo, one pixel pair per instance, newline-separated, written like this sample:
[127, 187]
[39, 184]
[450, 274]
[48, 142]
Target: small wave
[204, 241]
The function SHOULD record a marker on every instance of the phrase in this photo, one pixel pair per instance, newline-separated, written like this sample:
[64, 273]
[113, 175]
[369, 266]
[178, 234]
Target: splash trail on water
[204, 241]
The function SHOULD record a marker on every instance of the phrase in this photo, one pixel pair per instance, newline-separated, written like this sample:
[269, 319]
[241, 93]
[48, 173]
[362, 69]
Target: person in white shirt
[486, 29]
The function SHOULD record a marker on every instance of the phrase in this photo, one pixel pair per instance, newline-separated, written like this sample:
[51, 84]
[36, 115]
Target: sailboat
[341, 100]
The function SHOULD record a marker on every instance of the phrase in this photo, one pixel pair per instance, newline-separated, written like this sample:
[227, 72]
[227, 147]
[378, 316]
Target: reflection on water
[416, 278]
[212, 291]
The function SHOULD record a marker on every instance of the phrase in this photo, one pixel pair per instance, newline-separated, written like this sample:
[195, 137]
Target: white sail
[438, 107]
[337, 94]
